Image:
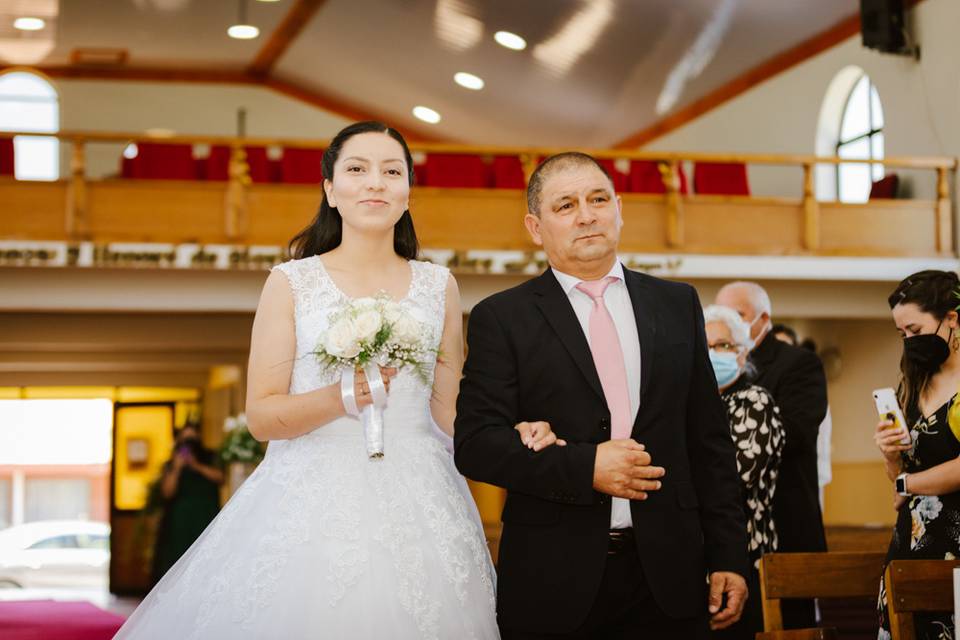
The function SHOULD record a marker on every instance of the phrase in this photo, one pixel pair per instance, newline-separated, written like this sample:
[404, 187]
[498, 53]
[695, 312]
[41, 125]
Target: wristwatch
[901, 485]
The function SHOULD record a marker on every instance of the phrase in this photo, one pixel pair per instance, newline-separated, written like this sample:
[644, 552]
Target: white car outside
[55, 553]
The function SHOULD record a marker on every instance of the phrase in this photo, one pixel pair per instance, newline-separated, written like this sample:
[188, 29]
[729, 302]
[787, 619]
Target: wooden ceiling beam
[283, 36]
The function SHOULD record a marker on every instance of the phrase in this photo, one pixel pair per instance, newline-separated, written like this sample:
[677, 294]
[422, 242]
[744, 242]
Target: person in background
[786, 334]
[757, 432]
[795, 378]
[190, 487]
[926, 471]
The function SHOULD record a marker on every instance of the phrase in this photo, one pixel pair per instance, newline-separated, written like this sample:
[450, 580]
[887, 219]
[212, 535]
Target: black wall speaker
[882, 26]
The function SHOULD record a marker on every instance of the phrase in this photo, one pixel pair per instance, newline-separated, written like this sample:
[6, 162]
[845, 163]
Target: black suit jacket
[529, 360]
[795, 378]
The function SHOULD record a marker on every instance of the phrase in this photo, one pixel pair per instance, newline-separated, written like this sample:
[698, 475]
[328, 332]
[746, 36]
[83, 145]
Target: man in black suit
[597, 541]
[795, 378]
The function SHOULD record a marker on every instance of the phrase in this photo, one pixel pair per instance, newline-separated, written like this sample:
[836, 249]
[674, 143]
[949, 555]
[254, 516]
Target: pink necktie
[608, 358]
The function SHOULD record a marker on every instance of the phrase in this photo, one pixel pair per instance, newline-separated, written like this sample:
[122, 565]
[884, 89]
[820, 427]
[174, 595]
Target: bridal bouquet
[364, 335]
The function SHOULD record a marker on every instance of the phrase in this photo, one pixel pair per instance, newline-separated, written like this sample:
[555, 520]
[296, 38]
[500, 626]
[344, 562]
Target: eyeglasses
[726, 347]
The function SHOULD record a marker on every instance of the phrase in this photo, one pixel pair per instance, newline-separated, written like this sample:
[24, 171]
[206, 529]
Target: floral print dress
[928, 527]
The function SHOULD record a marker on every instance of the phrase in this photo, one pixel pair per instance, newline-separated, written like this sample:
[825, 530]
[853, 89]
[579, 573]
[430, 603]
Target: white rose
[406, 329]
[392, 312]
[230, 424]
[367, 324]
[341, 339]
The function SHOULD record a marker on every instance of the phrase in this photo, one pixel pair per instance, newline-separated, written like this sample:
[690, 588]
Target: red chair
[508, 173]
[6, 157]
[721, 178]
[301, 166]
[218, 163]
[158, 161]
[885, 187]
[645, 177]
[456, 170]
[619, 178]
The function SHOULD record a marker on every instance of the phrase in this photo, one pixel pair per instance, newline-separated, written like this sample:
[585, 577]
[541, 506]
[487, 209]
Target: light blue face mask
[725, 367]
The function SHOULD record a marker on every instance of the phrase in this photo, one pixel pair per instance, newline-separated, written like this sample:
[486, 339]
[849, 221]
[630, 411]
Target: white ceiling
[591, 75]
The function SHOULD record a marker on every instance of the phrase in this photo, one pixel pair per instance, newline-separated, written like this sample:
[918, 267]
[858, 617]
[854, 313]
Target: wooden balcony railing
[238, 211]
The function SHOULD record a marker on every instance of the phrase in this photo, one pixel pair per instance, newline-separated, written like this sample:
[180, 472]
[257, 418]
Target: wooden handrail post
[944, 214]
[235, 206]
[670, 174]
[76, 224]
[811, 210]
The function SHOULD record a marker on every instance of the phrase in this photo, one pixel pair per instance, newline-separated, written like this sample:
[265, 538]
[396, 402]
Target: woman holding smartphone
[925, 472]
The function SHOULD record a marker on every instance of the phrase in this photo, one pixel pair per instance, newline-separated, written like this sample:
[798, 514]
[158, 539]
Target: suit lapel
[644, 311]
[558, 311]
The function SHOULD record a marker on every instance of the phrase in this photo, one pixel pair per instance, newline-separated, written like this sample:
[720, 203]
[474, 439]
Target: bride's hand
[361, 388]
[538, 435]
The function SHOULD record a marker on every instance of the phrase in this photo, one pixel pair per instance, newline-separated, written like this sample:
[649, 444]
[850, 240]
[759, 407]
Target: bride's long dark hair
[326, 230]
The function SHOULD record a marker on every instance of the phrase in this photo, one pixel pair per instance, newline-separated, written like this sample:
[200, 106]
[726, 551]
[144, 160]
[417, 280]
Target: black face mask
[927, 351]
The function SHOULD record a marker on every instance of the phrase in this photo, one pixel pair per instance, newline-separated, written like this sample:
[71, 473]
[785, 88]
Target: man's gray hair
[759, 299]
[739, 329]
[549, 166]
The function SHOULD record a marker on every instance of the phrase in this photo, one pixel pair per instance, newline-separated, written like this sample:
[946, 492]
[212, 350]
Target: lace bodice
[316, 296]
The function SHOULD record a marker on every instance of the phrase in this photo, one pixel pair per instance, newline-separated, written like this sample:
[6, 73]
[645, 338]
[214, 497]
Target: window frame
[872, 131]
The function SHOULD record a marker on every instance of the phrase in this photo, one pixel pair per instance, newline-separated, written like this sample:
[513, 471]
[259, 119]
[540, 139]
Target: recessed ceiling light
[243, 31]
[426, 114]
[510, 40]
[468, 80]
[29, 24]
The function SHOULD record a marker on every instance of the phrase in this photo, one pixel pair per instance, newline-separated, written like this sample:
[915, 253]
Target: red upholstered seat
[619, 178]
[159, 161]
[218, 163]
[508, 173]
[885, 187]
[721, 178]
[6, 157]
[456, 170]
[301, 166]
[645, 177]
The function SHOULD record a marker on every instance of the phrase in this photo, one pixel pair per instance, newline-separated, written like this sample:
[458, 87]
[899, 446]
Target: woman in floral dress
[927, 469]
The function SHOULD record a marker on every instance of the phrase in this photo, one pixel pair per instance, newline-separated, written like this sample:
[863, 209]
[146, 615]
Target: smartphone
[889, 408]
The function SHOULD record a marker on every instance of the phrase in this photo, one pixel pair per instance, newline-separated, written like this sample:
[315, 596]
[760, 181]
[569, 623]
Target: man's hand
[538, 435]
[735, 588]
[622, 469]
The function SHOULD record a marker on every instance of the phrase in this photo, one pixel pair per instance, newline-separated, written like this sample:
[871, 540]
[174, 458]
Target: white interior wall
[184, 108]
[921, 102]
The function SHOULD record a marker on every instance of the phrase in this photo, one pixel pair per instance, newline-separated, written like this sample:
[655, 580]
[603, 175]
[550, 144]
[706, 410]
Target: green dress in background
[185, 516]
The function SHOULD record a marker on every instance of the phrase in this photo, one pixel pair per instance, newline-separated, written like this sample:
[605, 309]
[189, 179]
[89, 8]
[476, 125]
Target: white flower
[230, 424]
[341, 339]
[406, 329]
[929, 507]
[393, 311]
[367, 324]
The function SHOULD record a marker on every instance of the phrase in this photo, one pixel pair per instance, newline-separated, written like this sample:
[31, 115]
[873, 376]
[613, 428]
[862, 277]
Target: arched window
[30, 103]
[861, 136]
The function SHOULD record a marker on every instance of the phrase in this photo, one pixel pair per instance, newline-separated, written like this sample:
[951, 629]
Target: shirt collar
[568, 282]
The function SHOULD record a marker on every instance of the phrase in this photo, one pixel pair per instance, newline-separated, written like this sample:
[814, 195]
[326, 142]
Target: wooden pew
[813, 575]
[917, 586]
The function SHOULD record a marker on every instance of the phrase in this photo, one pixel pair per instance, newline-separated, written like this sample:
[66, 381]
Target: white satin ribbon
[372, 414]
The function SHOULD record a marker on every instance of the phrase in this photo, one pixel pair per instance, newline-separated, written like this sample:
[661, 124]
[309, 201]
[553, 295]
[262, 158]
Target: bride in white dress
[321, 541]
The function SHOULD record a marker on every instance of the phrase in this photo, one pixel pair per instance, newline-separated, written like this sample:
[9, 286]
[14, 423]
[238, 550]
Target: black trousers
[625, 609]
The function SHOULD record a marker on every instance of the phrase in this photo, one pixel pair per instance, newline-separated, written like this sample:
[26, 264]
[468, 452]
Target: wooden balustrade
[241, 212]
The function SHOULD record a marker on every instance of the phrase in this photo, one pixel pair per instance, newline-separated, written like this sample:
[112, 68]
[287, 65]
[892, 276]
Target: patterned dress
[758, 434]
[928, 527]
[321, 542]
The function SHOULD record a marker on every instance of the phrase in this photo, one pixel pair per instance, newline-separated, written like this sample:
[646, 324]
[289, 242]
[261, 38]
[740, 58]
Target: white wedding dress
[322, 542]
